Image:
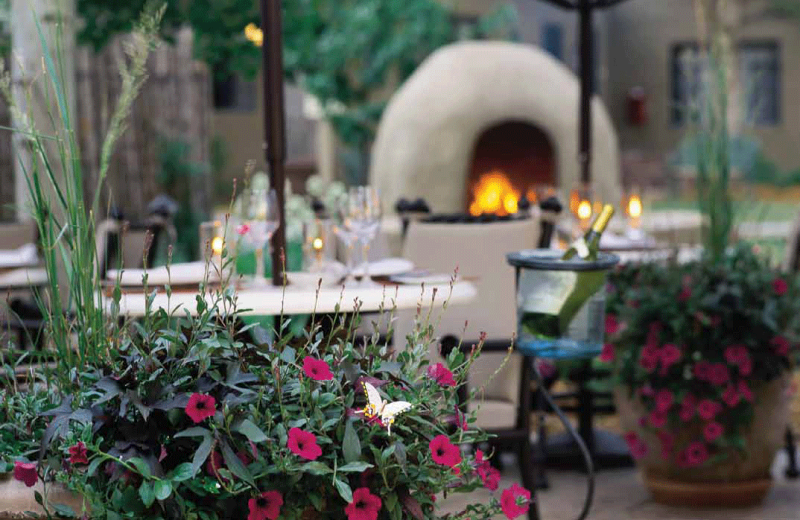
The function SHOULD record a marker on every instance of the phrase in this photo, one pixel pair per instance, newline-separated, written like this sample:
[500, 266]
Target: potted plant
[702, 351]
[702, 356]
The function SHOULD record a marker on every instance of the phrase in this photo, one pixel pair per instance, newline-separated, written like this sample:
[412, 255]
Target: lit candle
[634, 211]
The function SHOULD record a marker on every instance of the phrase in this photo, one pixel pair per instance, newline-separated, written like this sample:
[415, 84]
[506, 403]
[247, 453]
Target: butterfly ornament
[385, 411]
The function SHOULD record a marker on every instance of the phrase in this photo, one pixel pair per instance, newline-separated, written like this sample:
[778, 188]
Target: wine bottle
[587, 246]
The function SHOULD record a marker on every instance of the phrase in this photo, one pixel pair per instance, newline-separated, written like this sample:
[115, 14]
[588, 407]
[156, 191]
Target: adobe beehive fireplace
[495, 115]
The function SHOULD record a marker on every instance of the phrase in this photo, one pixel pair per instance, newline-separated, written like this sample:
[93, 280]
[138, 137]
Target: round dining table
[292, 300]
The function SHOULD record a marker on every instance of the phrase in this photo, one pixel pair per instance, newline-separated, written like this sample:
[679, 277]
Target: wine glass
[259, 219]
[348, 239]
[362, 218]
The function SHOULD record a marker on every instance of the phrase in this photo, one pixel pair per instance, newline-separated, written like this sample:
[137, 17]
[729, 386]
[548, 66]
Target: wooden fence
[175, 104]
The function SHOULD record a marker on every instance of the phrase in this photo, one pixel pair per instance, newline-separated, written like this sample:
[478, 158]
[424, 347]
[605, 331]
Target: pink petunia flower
[664, 399]
[637, 447]
[441, 375]
[607, 355]
[713, 431]
[658, 419]
[696, 453]
[365, 505]
[515, 501]
[736, 354]
[243, 229]
[77, 454]
[317, 369]
[444, 452]
[745, 391]
[718, 374]
[266, 506]
[303, 444]
[708, 409]
[780, 286]
[685, 294]
[702, 370]
[649, 358]
[688, 408]
[612, 325]
[201, 407]
[731, 396]
[669, 354]
[25, 472]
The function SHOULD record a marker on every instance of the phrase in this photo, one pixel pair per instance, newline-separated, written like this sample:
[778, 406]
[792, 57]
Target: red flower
[461, 420]
[365, 505]
[515, 501]
[731, 396]
[688, 408]
[649, 358]
[546, 368]
[669, 354]
[201, 407]
[304, 444]
[685, 294]
[77, 454]
[637, 447]
[658, 419]
[489, 475]
[26, 472]
[780, 286]
[607, 355]
[664, 400]
[317, 369]
[702, 370]
[745, 391]
[708, 409]
[713, 431]
[243, 229]
[612, 325]
[696, 453]
[445, 452]
[718, 374]
[781, 345]
[736, 354]
[441, 375]
[266, 506]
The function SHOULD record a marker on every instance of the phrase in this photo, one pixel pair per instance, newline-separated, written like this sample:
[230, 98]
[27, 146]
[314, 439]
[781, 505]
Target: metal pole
[275, 124]
[587, 89]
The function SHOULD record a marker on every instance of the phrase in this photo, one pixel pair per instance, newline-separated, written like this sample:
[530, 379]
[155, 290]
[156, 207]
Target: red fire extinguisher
[637, 107]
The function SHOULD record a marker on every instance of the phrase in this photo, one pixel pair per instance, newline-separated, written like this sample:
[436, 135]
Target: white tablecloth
[272, 301]
[23, 278]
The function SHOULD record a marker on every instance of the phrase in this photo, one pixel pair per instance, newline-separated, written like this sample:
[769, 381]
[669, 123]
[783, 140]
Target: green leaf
[64, 510]
[288, 355]
[316, 468]
[141, 466]
[344, 490]
[400, 453]
[181, 472]
[197, 431]
[92, 469]
[351, 445]
[162, 489]
[251, 431]
[146, 493]
[355, 467]
[202, 453]
[235, 464]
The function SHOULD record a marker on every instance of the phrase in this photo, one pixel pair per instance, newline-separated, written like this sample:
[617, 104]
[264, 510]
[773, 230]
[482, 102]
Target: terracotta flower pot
[738, 479]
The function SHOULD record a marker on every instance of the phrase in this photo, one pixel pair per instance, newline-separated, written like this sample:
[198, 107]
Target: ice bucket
[561, 304]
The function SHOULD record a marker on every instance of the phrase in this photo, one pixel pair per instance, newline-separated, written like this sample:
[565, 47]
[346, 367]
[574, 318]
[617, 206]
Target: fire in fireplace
[510, 159]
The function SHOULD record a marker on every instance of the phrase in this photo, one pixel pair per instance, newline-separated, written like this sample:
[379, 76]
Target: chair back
[120, 244]
[16, 234]
[479, 251]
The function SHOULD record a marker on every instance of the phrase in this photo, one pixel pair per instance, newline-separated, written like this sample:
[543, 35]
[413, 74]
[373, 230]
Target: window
[759, 77]
[553, 40]
[234, 93]
[759, 72]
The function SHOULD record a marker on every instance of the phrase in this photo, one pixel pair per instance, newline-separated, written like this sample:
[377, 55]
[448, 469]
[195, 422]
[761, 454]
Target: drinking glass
[258, 221]
[348, 239]
[362, 218]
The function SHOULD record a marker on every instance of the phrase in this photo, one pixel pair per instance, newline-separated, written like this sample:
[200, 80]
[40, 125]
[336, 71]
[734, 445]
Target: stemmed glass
[362, 217]
[341, 231]
[259, 219]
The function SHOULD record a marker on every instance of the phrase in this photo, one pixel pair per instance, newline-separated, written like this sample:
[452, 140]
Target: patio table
[273, 301]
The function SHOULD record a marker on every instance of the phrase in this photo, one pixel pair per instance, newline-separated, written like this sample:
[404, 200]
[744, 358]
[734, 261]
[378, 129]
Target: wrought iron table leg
[587, 504]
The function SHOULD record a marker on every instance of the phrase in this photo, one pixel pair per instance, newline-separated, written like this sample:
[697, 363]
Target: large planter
[17, 499]
[739, 479]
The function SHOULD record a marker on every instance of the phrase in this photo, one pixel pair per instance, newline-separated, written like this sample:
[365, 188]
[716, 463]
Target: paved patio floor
[620, 495]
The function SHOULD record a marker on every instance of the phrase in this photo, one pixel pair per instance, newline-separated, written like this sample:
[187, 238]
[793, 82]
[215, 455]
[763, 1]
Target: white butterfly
[377, 407]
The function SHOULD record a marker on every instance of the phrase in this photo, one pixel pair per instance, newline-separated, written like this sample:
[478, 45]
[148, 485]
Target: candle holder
[633, 205]
[581, 206]
[212, 242]
[318, 244]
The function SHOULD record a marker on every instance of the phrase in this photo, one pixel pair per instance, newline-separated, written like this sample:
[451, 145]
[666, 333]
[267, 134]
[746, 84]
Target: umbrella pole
[275, 124]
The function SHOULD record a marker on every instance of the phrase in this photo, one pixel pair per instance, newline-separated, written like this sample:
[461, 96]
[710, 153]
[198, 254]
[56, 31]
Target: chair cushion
[493, 414]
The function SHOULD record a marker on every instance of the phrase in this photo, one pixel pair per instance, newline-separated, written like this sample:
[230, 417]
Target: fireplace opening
[510, 160]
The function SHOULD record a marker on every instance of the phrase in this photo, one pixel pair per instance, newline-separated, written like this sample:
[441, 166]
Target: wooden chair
[479, 251]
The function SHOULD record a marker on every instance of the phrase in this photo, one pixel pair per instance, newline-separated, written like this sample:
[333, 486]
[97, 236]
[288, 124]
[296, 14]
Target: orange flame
[494, 193]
